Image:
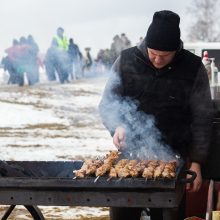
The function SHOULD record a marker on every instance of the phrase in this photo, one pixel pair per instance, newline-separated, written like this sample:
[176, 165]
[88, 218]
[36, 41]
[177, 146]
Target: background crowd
[63, 60]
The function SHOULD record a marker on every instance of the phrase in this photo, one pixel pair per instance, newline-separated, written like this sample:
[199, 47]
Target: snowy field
[51, 121]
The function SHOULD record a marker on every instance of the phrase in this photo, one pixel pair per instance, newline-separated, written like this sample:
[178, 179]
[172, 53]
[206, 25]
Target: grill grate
[51, 174]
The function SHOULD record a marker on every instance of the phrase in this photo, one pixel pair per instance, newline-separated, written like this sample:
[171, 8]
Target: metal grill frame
[56, 190]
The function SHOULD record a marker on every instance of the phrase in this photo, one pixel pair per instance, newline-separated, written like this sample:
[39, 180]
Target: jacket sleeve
[109, 106]
[202, 115]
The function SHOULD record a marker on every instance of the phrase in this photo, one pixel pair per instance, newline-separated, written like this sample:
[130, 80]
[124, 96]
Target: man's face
[159, 59]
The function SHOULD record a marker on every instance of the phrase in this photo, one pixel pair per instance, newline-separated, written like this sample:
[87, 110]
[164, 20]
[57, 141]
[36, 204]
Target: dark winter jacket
[74, 52]
[178, 96]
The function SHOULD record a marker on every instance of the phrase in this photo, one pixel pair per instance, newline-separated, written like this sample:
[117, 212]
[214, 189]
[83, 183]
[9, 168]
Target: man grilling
[164, 81]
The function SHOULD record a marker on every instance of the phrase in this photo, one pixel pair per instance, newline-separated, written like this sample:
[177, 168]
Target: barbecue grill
[32, 183]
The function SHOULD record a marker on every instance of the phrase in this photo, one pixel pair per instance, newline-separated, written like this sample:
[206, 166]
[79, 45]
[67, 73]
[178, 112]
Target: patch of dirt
[93, 218]
[37, 105]
[53, 126]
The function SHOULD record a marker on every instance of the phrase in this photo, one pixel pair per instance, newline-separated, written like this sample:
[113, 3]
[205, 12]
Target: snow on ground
[51, 121]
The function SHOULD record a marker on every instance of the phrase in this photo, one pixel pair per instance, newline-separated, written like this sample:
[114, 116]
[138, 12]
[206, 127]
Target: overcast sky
[92, 23]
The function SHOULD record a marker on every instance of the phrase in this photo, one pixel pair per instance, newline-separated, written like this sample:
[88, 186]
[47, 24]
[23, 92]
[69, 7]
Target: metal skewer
[96, 179]
[109, 178]
[120, 179]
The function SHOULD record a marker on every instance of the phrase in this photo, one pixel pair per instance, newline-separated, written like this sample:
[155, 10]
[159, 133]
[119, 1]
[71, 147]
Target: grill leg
[35, 212]
[8, 212]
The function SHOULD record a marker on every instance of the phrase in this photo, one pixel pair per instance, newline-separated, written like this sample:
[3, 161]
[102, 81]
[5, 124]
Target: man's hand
[196, 184]
[119, 138]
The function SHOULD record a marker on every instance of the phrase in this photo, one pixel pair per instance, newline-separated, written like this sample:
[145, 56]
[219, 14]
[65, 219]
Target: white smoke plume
[143, 139]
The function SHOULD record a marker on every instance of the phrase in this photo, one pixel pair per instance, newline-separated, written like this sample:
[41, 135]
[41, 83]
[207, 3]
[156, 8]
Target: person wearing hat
[164, 81]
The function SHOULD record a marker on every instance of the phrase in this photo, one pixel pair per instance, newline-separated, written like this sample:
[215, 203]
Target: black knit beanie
[164, 32]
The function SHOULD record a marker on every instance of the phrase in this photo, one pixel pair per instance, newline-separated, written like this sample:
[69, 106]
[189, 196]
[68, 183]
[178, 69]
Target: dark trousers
[122, 213]
[125, 213]
[135, 214]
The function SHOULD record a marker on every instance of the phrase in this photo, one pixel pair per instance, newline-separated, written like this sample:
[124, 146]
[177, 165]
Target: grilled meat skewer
[112, 173]
[151, 169]
[82, 171]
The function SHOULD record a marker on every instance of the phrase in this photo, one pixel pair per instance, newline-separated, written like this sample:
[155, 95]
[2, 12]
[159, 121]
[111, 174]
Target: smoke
[143, 139]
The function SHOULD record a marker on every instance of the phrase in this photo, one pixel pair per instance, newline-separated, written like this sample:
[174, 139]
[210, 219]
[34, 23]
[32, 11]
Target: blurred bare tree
[205, 22]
